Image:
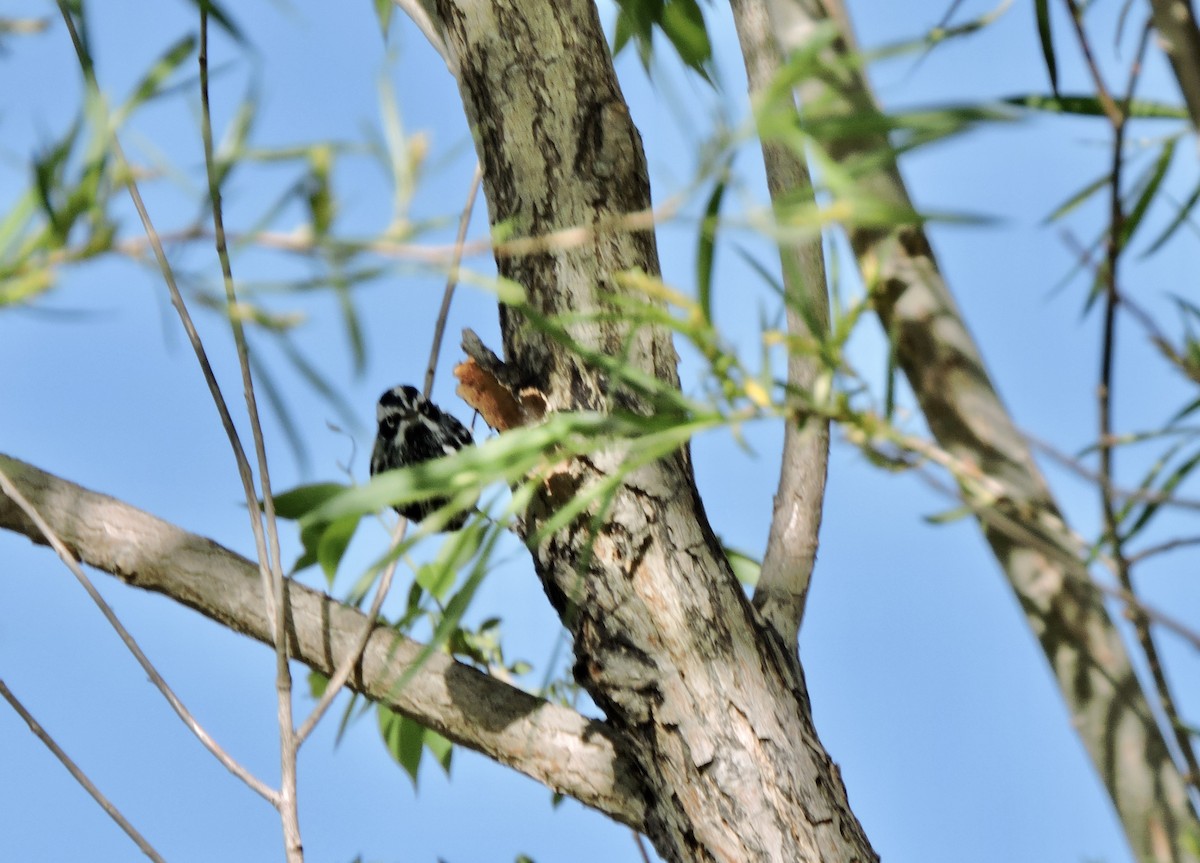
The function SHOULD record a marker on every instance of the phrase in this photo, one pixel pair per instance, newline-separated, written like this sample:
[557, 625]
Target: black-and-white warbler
[412, 429]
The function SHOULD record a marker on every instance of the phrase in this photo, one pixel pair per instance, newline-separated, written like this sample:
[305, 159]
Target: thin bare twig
[1118, 113]
[424, 17]
[439, 328]
[339, 678]
[268, 548]
[80, 777]
[641, 847]
[1016, 529]
[209, 377]
[13, 493]
[1163, 548]
[1122, 493]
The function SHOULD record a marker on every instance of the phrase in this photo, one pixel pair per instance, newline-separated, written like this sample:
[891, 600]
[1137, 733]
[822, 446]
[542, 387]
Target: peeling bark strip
[665, 641]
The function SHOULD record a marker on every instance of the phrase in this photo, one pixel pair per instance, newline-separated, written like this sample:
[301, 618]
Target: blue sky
[927, 687]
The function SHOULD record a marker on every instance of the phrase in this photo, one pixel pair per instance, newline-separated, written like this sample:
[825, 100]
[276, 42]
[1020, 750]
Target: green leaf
[706, 248]
[1151, 476]
[232, 148]
[438, 576]
[1149, 188]
[151, 84]
[508, 458]
[1078, 198]
[22, 288]
[317, 684]
[403, 738]
[1089, 106]
[1046, 37]
[683, 23]
[1182, 215]
[746, 568]
[265, 380]
[457, 606]
[950, 515]
[15, 223]
[300, 501]
[218, 14]
[383, 14]
[635, 22]
[333, 543]
[440, 748]
[1164, 491]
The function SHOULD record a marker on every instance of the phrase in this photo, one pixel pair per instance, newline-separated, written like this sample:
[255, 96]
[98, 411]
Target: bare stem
[1118, 113]
[352, 659]
[80, 776]
[270, 565]
[439, 329]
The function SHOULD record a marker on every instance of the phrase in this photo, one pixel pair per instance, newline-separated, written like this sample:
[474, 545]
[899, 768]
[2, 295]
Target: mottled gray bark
[796, 520]
[550, 743]
[665, 641]
[1024, 528]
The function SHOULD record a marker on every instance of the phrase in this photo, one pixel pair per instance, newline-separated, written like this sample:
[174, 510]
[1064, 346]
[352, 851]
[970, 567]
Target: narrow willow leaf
[1046, 37]
[315, 379]
[507, 458]
[297, 502]
[151, 83]
[1090, 106]
[218, 14]
[769, 279]
[706, 247]
[950, 515]
[264, 381]
[1078, 198]
[23, 288]
[15, 223]
[1150, 478]
[438, 576]
[1182, 215]
[1149, 189]
[383, 14]
[352, 323]
[455, 608]
[233, 144]
[683, 24]
[1165, 490]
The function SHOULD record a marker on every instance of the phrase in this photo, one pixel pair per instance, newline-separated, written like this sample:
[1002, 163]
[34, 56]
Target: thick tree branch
[558, 747]
[792, 546]
[942, 363]
[665, 641]
[1175, 21]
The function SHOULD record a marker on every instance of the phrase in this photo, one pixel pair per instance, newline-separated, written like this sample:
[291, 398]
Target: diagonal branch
[1175, 21]
[792, 546]
[963, 410]
[580, 757]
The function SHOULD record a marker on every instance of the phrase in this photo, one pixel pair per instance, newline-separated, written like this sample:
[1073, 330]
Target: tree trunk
[665, 640]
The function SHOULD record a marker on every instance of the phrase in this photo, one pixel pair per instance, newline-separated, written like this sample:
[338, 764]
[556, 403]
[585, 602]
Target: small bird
[412, 429]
